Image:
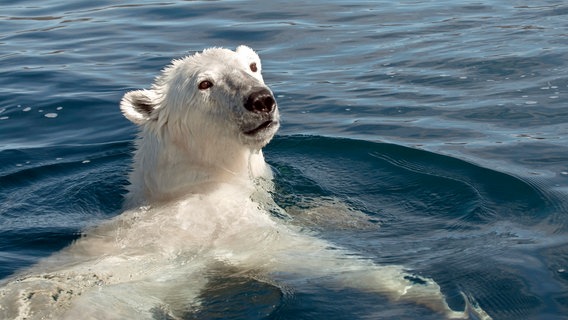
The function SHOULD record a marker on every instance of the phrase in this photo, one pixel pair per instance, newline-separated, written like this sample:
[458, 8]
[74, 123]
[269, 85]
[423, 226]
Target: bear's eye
[206, 84]
[253, 67]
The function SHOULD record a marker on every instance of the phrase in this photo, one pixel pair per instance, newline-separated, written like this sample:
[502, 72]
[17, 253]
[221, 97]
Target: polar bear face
[204, 121]
[217, 93]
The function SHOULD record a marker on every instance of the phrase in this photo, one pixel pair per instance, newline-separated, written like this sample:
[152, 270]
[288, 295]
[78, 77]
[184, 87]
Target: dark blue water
[443, 122]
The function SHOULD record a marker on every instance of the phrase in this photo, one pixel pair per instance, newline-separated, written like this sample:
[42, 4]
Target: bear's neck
[165, 172]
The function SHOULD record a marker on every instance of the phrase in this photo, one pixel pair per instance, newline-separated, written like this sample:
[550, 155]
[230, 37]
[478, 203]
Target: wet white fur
[199, 200]
[193, 139]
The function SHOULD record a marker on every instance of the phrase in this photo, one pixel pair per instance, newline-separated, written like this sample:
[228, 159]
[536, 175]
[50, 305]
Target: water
[442, 124]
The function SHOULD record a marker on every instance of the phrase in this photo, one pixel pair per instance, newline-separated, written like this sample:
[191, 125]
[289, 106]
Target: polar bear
[198, 199]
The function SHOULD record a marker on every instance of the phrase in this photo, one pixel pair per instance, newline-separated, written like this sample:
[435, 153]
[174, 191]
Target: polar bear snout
[260, 101]
[261, 121]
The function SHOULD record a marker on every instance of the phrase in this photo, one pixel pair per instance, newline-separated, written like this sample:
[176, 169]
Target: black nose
[260, 101]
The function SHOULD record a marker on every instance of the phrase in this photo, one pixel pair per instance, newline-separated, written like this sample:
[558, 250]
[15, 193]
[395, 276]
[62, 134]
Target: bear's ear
[137, 106]
[249, 55]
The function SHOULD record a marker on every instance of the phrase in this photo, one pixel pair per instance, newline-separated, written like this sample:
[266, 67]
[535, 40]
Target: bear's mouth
[263, 126]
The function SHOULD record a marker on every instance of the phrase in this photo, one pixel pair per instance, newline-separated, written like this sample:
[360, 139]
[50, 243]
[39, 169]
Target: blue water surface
[444, 122]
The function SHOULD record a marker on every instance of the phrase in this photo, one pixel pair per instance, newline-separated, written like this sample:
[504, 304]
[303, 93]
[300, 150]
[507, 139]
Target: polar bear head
[204, 120]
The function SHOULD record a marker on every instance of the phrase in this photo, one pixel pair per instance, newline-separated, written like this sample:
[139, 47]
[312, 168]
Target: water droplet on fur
[50, 115]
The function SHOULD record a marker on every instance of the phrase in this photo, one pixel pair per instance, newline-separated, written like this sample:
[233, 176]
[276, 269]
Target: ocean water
[443, 125]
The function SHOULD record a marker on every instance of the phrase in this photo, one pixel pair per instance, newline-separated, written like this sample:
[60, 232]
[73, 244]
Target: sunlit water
[440, 125]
